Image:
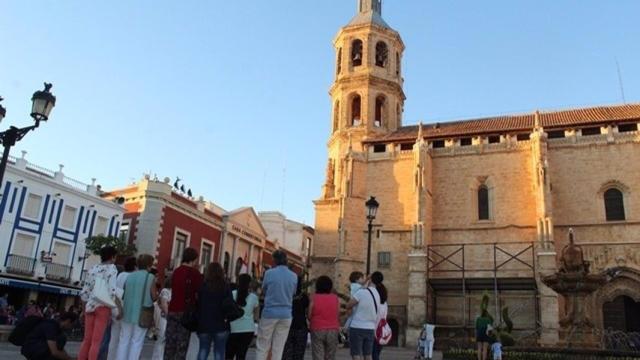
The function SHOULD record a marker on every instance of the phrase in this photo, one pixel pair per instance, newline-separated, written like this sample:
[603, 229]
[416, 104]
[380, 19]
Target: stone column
[416, 306]
[548, 303]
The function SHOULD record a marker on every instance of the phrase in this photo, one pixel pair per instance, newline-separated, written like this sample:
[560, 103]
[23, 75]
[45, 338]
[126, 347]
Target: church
[468, 207]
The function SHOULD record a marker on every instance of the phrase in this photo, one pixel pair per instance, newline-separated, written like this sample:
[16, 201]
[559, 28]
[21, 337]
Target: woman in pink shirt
[323, 316]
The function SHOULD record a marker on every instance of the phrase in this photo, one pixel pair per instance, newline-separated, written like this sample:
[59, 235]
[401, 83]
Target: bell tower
[367, 101]
[367, 93]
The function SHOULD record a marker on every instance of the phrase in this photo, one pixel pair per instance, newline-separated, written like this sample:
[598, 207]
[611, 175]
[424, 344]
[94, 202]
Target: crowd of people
[122, 305]
[10, 316]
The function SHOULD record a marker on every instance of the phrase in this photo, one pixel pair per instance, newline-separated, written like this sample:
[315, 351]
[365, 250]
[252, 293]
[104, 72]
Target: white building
[45, 218]
[291, 235]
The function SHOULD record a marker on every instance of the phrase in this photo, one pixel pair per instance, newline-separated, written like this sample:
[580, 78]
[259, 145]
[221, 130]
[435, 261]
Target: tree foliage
[95, 243]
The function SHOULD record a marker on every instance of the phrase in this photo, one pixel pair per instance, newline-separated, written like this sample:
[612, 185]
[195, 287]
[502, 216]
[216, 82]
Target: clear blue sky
[225, 94]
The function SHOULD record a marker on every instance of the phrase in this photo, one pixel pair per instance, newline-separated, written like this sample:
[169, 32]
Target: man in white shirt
[364, 322]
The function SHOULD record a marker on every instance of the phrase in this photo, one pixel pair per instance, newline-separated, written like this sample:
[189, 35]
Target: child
[496, 349]
[357, 281]
[429, 340]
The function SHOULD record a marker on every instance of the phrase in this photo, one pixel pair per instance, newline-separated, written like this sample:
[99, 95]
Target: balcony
[58, 272]
[21, 265]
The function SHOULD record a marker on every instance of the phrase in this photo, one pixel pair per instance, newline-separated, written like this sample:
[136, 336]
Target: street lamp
[372, 209]
[43, 102]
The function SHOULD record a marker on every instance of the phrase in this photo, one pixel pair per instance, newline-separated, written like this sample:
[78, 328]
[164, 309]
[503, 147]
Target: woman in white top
[130, 266]
[160, 317]
[364, 321]
[99, 295]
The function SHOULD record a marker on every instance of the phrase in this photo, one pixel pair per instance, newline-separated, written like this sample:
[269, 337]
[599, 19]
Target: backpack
[383, 331]
[22, 330]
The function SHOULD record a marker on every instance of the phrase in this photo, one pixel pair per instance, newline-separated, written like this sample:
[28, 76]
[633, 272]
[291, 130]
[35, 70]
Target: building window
[382, 54]
[437, 144]
[101, 225]
[556, 134]
[384, 259]
[179, 244]
[494, 139]
[61, 253]
[124, 232]
[23, 245]
[356, 53]
[253, 270]
[32, 207]
[483, 202]
[205, 254]
[397, 64]
[523, 137]
[596, 130]
[379, 148]
[339, 62]
[336, 116]
[68, 217]
[227, 261]
[356, 119]
[380, 110]
[628, 127]
[465, 142]
[614, 205]
[406, 146]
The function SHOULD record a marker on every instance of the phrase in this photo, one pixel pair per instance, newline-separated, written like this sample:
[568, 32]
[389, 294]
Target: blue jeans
[219, 340]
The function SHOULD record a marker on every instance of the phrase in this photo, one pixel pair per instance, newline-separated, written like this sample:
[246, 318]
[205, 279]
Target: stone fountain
[574, 282]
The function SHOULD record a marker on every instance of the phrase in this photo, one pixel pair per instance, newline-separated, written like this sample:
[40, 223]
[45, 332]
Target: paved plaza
[8, 351]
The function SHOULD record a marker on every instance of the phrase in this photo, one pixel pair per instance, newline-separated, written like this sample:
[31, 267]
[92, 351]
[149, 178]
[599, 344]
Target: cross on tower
[370, 5]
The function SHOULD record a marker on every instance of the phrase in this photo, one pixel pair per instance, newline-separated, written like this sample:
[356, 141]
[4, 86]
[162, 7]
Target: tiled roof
[516, 123]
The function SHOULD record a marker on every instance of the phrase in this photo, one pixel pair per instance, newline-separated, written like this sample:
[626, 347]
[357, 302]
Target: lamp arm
[14, 134]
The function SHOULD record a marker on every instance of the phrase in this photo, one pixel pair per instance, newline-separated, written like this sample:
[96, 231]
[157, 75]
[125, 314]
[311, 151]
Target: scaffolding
[463, 271]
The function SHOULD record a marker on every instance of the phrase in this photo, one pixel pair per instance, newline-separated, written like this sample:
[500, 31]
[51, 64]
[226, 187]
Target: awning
[39, 286]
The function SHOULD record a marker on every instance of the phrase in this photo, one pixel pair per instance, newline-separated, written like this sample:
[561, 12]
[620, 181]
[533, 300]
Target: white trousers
[428, 349]
[194, 347]
[115, 339]
[272, 335]
[130, 341]
[158, 347]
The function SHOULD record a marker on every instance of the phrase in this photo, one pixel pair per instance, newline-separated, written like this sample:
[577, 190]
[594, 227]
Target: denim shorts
[361, 341]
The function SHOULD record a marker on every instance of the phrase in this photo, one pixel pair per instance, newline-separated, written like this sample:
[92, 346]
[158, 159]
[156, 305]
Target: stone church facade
[473, 206]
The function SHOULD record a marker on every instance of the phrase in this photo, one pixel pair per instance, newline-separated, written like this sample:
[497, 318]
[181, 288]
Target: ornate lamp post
[43, 102]
[372, 209]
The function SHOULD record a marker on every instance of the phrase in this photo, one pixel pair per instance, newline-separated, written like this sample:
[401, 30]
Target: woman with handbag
[139, 295]
[215, 303]
[99, 296]
[243, 329]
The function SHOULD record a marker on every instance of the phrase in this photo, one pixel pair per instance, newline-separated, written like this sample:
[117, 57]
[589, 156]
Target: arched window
[380, 111]
[336, 116]
[356, 53]
[483, 202]
[397, 64]
[398, 114]
[614, 204]
[382, 54]
[356, 119]
[227, 260]
[339, 62]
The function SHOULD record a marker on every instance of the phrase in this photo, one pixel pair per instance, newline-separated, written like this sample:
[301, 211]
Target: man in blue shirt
[278, 287]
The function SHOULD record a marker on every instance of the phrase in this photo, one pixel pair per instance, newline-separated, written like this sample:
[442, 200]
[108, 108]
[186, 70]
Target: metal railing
[58, 272]
[17, 264]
